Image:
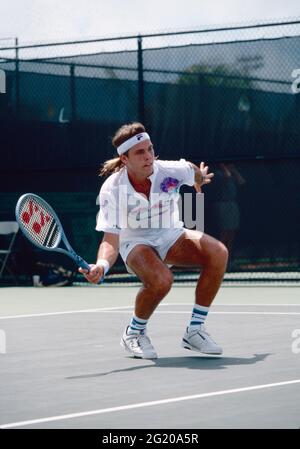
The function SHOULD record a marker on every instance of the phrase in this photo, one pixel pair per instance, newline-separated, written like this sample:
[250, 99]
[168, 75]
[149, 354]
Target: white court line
[145, 404]
[216, 304]
[125, 308]
[211, 312]
[66, 312]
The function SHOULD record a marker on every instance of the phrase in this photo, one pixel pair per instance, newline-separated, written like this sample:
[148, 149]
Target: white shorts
[161, 244]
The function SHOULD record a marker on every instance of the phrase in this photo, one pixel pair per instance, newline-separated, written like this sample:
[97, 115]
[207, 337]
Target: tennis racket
[40, 224]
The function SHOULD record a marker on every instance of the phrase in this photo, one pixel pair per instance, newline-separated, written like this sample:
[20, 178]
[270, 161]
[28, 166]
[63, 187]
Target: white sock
[137, 325]
[199, 315]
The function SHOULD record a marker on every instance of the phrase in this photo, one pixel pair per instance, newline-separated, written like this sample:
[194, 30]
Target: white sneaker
[138, 345]
[201, 341]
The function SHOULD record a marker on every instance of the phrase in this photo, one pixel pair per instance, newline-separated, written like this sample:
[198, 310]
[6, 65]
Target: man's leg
[193, 249]
[156, 277]
[157, 280]
[227, 237]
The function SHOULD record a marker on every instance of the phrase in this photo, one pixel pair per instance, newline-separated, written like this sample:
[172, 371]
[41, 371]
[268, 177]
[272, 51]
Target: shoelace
[133, 341]
[141, 340]
[144, 341]
[203, 329]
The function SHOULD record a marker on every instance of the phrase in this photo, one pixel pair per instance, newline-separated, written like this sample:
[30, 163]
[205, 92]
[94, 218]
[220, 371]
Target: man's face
[140, 159]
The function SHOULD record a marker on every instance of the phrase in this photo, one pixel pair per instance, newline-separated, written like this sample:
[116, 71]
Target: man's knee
[217, 254]
[161, 282]
[221, 253]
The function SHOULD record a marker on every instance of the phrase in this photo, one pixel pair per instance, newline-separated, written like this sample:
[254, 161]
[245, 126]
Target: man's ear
[123, 159]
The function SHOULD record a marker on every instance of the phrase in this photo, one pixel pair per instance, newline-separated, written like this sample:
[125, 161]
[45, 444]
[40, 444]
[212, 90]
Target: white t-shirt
[130, 214]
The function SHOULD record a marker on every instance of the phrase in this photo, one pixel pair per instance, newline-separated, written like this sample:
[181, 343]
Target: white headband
[125, 146]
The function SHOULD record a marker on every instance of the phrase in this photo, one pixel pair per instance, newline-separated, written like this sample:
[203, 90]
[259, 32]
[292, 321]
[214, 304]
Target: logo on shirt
[169, 185]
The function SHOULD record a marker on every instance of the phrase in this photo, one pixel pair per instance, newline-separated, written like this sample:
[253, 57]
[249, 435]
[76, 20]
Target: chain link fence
[229, 96]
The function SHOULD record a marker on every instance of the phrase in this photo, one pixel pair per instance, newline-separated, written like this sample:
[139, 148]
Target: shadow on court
[200, 362]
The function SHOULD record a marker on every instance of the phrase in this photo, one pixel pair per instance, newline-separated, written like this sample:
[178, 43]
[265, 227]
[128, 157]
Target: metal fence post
[141, 99]
[17, 74]
[72, 92]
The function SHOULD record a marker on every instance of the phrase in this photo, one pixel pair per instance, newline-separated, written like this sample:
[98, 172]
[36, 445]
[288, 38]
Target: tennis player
[139, 217]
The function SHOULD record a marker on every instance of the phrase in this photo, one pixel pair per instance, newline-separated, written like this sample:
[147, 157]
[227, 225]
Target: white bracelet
[103, 263]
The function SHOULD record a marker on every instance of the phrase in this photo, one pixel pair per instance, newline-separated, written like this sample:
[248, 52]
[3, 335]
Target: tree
[220, 75]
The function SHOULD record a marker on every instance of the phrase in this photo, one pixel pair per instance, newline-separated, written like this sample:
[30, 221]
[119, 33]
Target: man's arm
[201, 175]
[109, 248]
[107, 256]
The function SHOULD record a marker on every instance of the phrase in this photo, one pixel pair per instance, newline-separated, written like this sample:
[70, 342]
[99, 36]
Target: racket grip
[83, 264]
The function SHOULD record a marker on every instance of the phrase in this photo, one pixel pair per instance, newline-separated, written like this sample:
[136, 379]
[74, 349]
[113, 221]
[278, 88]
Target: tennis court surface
[62, 365]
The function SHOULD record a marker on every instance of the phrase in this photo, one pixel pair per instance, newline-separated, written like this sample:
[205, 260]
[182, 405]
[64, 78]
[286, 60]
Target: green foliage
[216, 76]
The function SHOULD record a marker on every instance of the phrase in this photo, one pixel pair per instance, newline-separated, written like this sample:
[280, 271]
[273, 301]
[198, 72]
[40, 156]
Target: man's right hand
[94, 275]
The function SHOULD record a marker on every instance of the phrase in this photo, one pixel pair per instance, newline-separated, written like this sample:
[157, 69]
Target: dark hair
[126, 131]
[121, 135]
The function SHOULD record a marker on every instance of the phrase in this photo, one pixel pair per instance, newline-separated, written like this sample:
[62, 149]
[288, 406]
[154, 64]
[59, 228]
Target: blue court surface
[62, 365]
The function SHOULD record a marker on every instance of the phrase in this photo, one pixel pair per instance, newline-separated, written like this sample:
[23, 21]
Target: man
[147, 246]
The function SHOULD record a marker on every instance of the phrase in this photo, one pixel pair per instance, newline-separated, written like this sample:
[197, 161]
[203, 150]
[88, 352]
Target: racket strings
[37, 219]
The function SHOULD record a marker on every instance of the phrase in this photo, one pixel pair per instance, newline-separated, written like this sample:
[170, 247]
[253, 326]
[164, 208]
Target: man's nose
[148, 156]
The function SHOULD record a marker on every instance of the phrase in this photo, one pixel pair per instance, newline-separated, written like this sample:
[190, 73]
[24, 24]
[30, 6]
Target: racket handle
[82, 263]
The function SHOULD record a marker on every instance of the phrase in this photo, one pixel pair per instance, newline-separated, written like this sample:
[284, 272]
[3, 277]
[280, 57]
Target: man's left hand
[202, 177]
